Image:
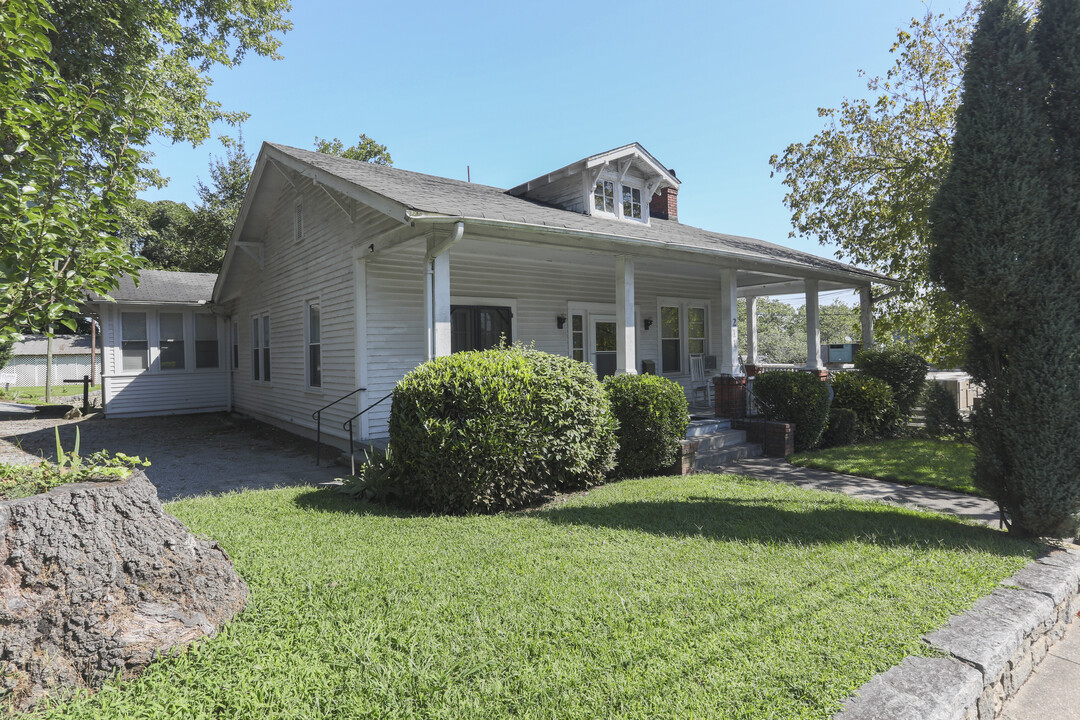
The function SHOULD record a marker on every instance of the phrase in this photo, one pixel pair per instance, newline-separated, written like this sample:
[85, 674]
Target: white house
[343, 275]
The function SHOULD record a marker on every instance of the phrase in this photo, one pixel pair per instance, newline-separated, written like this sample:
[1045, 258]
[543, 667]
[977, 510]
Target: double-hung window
[134, 348]
[631, 202]
[604, 196]
[314, 345]
[171, 340]
[621, 200]
[683, 332]
[206, 341]
[260, 347]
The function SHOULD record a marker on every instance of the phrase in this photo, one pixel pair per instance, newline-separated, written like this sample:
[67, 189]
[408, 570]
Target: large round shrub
[499, 429]
[905, 373]
[652, 415]
[942, 416]
[870, 398]
[796, 397]
[842, 428]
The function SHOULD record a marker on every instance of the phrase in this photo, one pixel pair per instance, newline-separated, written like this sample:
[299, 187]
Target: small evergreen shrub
[942, 416]
[871, 400]
[799, 398]
[842, 428]
[652, 416]
[905, 373]
[499, 429]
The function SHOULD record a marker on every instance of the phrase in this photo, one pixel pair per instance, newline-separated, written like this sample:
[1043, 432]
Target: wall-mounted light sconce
[561, 321]
[648, 323]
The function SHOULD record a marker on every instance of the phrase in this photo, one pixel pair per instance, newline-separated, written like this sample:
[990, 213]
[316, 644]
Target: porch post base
[730, 394]
[751, 370]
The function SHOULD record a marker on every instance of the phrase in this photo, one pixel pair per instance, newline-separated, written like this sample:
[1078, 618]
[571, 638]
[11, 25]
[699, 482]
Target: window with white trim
[684, 328]
[604, 196]
[260, 347]
[314, 345]
[480, 327]
[134, 347]
[171, 340]
[206, 341]
[577, 336]
[235, 345]
[631, 202]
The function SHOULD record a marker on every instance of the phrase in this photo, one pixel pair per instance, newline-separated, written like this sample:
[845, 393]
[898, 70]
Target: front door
[604, 344]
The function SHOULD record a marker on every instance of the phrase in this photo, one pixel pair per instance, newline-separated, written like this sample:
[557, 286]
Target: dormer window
[631, 202]
[604, 196]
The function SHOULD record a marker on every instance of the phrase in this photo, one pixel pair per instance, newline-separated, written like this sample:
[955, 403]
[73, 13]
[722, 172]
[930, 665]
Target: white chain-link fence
[26, 371]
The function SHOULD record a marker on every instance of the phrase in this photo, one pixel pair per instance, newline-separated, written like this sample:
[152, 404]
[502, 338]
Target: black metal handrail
[348, 425]
[317, 417]
[756, 407]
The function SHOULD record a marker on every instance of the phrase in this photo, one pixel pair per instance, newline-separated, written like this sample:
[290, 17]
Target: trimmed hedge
[870, 398]
[799, 398]
[942, 416]
[499, 429]
[652, 415]
[905, 373]
[842, 428]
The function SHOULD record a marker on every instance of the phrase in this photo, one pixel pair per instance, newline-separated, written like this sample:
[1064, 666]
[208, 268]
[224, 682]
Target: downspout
[429, 282]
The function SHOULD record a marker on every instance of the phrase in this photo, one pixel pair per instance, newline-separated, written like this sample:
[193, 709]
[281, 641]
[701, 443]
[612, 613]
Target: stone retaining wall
[990, 650]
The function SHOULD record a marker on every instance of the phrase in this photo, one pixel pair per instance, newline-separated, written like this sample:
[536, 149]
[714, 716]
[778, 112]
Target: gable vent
[298, 222]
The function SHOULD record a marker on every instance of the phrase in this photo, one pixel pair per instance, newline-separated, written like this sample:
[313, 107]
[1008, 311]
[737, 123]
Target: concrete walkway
[1053, 690]
[919, 496]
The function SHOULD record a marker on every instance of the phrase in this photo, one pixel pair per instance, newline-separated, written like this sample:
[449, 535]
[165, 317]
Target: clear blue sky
[515, 89]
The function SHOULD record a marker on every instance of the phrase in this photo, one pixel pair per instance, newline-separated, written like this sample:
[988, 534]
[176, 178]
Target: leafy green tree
[365, 150]
[155, 232]
[782, 328]
[207, 232]
[866, 181]
[167, 47]
[58, 207]
[1006, 231]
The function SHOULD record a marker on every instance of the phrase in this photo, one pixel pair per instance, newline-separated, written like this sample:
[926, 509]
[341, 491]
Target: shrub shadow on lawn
[329, 499]
[814, 522]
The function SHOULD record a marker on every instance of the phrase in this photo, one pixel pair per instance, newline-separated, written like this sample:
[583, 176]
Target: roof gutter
[434, 218]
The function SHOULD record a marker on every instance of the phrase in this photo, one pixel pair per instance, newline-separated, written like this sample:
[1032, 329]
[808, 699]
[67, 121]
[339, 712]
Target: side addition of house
[344, 275]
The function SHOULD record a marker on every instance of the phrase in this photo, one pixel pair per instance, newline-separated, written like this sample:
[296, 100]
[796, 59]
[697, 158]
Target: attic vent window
[604, 196]
[631, 202]
[298, 222]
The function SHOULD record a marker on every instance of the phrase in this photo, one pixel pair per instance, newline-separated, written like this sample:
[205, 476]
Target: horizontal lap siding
[541, 289]
[321, 266]
[166, 393]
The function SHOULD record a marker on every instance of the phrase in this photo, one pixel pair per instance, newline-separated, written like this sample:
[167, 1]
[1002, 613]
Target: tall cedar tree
[1005, 230]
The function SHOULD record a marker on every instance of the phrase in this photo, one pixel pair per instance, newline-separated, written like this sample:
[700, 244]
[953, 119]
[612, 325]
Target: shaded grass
[700, 596]
[937, 463]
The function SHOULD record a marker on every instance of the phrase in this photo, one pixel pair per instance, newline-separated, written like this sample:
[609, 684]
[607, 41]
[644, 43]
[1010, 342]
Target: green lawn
[36, 395]
[694, 597]
[939, 463]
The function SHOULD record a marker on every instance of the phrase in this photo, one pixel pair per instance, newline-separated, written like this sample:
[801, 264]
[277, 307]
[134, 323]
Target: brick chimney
[665, 204]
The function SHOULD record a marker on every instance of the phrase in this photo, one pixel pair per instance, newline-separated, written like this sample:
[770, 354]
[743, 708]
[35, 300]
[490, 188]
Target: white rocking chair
[698, 382]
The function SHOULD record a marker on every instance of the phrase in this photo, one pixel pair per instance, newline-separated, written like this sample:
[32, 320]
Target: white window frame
[684, 332]
[614, 197]
[258, 352]
[588, 311]
[146, 330]
[618, 187]
[185, 333]
[195, 341]
[308, 304]
[234, 354]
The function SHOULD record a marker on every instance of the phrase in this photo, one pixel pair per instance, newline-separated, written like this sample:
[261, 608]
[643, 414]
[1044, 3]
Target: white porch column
[813, 327]
[729, 323]
[751, 330]
[625, 320]
[866, 306]
[440, 305]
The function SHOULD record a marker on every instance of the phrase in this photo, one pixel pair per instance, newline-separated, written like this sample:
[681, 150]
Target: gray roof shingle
[445, 196]
[164, 286]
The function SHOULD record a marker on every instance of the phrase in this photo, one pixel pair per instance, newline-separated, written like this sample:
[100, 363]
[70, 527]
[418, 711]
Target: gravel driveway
[190, 454]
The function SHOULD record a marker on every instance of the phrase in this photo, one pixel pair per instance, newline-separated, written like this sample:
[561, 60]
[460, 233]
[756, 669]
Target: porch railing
[348, 425]
[317, 417]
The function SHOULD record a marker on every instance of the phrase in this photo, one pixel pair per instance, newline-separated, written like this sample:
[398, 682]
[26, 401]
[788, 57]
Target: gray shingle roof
[457, 198]
[164, 286]
[62, 345]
